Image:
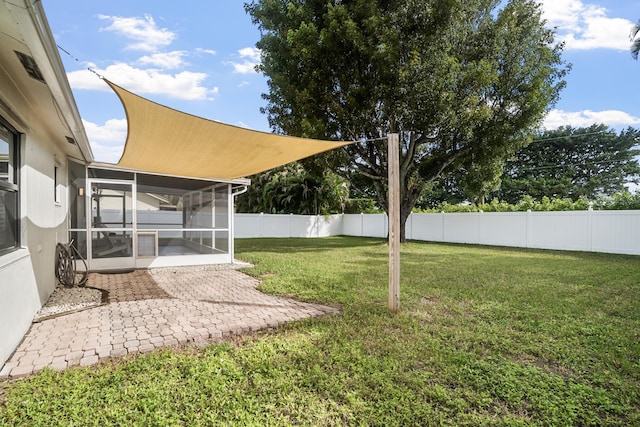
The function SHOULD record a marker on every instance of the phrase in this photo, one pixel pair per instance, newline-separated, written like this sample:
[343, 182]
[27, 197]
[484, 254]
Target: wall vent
[30, 66]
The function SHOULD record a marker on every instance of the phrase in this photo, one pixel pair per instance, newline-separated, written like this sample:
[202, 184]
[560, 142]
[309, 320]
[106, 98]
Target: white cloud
[612, 118]
[586, 26]
[207, 51]
[165, 60]
[184, 85]
[144, 32]
[251, 53]
[564, 14]
[245, 67]
[251, 57]
[114, 130]
[107, 141]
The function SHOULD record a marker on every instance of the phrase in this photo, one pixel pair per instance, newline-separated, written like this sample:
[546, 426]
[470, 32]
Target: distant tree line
[618, 201]
[562, 169]
[566, 163]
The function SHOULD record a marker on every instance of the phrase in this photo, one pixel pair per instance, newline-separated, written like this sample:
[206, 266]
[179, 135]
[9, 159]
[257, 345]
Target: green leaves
[294, 189]
[463, 82]
[572, 163]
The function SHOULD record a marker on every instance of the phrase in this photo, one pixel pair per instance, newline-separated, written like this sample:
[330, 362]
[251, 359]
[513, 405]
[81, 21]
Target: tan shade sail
[167, 141]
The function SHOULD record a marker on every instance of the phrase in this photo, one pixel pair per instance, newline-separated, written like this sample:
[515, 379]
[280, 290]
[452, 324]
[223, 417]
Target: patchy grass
[486, 336]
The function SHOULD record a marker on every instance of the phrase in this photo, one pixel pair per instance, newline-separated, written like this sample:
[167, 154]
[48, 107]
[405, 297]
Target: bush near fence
[619, 201]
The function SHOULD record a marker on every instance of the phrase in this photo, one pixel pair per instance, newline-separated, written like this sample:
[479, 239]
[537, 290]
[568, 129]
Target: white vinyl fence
[268, 225]
[593, 231]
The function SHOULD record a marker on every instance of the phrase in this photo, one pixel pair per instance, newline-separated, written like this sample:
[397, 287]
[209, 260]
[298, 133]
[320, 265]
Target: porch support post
[393, 158]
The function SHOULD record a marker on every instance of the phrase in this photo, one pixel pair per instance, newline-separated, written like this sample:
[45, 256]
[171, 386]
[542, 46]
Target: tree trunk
[404, 215]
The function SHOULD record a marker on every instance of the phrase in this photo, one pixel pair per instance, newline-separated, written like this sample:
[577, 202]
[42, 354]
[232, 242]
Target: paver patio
[148, 309]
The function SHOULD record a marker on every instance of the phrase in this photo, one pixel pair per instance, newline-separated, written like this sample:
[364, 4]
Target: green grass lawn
[485, 336]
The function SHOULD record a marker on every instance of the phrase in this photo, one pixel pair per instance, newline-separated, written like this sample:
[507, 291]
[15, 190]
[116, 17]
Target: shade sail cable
[167, 141]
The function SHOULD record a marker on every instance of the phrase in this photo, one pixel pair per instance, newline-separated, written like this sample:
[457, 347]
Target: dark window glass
[9, 215]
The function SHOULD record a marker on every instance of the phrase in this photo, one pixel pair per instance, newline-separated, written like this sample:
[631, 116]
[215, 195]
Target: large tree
[461, 81]
[572, 163]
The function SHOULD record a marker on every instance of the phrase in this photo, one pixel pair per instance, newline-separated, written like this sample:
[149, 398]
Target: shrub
[620, 201]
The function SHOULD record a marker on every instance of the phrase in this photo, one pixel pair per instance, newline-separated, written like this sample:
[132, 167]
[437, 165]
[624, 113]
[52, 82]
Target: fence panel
[352, 224]
[247, 225]
[329, 225]
[302, 226]
[276, 225]
[502, 228]
[598, 231]
[271, 225]
[375, 225]
[462, 228]
[616, 232]
[559, 230]
[428, 227]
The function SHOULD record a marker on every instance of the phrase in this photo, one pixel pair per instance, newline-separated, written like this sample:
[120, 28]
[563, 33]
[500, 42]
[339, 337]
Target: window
[9, 236]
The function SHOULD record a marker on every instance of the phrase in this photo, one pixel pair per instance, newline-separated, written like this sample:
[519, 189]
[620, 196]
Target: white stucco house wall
[40, 128]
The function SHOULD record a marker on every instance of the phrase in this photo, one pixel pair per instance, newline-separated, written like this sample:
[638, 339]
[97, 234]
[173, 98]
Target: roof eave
[47, 57]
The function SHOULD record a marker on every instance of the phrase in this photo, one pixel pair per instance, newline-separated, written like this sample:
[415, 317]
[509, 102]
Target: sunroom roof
[163, 140]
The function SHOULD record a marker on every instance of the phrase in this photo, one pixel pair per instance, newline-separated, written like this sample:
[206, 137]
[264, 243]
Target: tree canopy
[572, 163]
[567, 163]
[462, 81]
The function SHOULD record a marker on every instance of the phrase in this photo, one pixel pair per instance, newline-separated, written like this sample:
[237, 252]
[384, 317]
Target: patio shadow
[131, 286]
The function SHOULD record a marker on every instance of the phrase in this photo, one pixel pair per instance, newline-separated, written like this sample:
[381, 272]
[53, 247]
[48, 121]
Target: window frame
[13, 184]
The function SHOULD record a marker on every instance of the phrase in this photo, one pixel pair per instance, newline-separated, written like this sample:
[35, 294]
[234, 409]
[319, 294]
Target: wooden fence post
[393, 156]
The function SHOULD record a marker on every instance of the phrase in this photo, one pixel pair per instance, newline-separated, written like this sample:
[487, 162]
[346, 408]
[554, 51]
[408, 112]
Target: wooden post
[393, 158]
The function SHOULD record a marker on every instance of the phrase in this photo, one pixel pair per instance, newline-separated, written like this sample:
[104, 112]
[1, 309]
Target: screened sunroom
[173, 213]
[122, 219]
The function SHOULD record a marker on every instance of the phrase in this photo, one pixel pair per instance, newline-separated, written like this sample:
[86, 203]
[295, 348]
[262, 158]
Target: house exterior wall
[39, 106]
[44, 220]
[27, 276]
[19, 299]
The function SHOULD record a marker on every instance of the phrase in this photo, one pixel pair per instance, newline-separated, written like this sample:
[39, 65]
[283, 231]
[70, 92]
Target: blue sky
[198, 57]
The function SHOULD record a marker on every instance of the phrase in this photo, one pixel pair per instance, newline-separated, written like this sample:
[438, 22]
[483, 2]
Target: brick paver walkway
[152, 309]
[134, 286]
